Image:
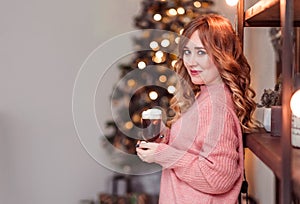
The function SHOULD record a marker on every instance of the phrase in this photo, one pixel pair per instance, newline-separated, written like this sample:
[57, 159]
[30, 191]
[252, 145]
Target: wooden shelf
[277, 153]
[268, 149]
[266, 13]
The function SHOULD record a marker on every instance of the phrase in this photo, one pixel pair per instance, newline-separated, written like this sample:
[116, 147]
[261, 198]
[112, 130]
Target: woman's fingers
[147, 145]
[138, 143]
[146, 151]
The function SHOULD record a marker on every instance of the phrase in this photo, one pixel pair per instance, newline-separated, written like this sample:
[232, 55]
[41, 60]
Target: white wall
[43, 44]
[261, 56]
[262, 60]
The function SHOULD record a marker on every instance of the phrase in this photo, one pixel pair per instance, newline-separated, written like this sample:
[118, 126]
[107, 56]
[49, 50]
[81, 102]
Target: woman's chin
[198, 82]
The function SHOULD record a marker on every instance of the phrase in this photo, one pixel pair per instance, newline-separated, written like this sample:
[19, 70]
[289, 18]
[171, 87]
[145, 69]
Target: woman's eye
[186, 52]
[201, 52]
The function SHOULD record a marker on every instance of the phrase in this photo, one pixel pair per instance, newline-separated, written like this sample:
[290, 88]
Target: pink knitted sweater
[203, 160]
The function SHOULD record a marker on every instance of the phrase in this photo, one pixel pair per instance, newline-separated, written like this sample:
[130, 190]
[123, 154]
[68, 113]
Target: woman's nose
[192, 61]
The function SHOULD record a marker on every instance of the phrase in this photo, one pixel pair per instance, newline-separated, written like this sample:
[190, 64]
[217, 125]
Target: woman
[202, 157]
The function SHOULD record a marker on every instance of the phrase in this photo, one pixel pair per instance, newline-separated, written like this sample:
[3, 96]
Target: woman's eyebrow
[199, 48]
[196, 48]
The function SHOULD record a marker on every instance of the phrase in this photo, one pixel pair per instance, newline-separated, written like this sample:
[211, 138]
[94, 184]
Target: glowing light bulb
[232, 2]
[128, 125]
[197, 4]
[180, 10]
[154, 45]
[159, 54]
[171, 89]
[153, 95]
[157, 17]
[173, 63]
[162, 78]
[157, 59]
[131, 82]
[295, 103]
[165, 43]
[136, 118]
[141, 65]
[172, 12]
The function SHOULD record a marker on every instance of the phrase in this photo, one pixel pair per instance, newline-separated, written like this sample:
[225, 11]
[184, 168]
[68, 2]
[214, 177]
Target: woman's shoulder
[216, 96]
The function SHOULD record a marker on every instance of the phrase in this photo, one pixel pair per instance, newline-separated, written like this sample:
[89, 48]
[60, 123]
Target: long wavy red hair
[225, 49]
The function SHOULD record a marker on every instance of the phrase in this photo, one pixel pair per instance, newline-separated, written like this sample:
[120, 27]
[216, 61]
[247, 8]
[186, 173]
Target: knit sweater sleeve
[216, 168]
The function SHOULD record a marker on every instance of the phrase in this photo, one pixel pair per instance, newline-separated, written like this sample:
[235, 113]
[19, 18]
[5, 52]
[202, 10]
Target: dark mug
[151, 124]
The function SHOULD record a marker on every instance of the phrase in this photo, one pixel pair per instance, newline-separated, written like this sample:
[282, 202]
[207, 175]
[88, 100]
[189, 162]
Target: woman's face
[199, 65]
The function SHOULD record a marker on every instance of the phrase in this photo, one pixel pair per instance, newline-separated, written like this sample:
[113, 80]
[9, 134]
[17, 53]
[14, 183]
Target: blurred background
[43, 45]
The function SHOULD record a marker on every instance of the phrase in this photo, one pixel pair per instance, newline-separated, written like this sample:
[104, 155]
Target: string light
[232, 2]
[157, 59]
[131, 82]
[128, 125]
[157, 17]
[180, 10]
[159, 54]
[154, 45]
[173, 63]
[136, 118]
[162, 78]
[171, 89]
[153, 95]
[165, 43]
[141, 65]
[197, 4]
[172, 12]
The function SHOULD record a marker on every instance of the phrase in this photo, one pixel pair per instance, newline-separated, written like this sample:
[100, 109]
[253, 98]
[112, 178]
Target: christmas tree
[169, 17]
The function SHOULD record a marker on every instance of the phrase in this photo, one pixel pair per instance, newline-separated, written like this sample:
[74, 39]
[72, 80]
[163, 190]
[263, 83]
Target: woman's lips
[195, 72]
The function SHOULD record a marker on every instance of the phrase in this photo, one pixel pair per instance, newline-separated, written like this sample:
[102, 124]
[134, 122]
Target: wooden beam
[286, 17]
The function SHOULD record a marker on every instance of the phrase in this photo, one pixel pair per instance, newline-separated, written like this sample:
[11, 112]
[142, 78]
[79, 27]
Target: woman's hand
[164, 135]
[146, 151]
